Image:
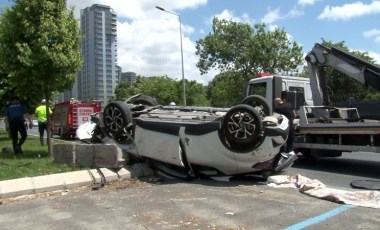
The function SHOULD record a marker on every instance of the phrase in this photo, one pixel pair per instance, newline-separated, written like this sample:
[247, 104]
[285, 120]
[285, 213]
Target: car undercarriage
[190, 141]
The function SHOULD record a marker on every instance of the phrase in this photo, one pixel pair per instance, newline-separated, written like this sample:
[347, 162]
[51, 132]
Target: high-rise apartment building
[128, 76]
[98, 76]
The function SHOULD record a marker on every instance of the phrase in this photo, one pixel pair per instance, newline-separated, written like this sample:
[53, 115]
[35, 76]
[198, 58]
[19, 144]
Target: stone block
[107, 156]
[77, 179]
[123, 173]
[16, 187]
[63, 153]
[109, 175]
[48, 183]
[84, 155]
[97, 178]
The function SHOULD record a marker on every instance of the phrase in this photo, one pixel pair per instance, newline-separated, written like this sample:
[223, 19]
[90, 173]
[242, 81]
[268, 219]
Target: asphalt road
[243, 203]
[340, 172]
[199, 204]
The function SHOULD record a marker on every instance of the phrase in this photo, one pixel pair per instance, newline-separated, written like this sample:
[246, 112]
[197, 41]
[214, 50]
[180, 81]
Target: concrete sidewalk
[70, 180]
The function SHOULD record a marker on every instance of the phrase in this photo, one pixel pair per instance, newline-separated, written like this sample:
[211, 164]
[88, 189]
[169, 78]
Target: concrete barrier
[63, 153]
[89, 155]
[84, 155]
[108, 156]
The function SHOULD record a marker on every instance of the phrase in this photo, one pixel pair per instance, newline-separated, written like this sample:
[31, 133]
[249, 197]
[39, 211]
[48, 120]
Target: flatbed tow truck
[322, 129]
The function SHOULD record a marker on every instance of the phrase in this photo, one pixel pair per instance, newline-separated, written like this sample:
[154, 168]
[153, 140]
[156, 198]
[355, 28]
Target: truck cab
[296, 90]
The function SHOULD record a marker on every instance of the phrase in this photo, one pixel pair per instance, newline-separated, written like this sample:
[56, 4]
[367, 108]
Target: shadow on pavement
[354, 167]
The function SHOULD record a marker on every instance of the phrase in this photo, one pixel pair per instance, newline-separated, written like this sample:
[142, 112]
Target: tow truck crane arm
[356, 68]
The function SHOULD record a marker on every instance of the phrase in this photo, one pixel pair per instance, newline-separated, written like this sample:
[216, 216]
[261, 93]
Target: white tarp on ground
[316, 188]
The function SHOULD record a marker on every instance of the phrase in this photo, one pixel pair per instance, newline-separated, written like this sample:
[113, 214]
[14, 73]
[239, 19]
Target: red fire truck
[68, 115]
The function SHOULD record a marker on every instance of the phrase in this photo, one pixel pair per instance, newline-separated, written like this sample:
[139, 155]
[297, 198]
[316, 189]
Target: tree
[195, 93]
[39, 48]
[6, 91]
[236, 46]
[121, 90]
[164, 89]
[226, 89]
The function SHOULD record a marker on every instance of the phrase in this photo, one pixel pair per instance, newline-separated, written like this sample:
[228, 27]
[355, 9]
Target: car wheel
[242, 127]
[145, 100]
[116, 116]
[259, 103]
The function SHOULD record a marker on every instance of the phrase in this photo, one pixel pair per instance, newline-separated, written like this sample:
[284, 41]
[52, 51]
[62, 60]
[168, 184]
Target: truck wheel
[116, 116]
[259, 103]
[145, 100]
[242, 128]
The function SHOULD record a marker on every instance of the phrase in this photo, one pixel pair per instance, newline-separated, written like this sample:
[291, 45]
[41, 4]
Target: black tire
[145, 100]
[259, 103]
[242, 128]
[116, 116]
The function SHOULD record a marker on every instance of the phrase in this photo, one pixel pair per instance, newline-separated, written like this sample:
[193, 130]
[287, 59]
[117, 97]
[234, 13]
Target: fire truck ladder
[75, 115]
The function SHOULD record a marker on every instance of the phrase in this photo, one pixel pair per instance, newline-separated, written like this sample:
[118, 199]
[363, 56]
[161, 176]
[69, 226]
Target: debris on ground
[119, 184]
[316, 188]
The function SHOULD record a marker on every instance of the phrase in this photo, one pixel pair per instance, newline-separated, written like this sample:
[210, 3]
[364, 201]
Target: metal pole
[183, 71]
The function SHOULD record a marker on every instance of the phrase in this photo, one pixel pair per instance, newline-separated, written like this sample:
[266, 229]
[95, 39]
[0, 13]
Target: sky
[149, 39]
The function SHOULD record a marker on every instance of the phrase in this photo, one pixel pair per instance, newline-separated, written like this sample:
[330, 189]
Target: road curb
[69, 180]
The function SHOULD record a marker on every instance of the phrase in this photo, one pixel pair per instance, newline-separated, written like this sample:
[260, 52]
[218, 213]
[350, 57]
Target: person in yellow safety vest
[42, 119]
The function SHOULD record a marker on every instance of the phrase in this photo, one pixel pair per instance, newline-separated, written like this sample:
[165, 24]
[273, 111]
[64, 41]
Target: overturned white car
[193, 141]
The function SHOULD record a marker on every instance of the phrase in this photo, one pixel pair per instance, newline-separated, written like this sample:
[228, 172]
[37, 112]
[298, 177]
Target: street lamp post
[180, 33]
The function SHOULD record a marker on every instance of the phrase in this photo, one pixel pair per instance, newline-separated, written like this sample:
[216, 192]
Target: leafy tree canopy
[39, 49]
[164, 89]
[226, 89]
[236, 46]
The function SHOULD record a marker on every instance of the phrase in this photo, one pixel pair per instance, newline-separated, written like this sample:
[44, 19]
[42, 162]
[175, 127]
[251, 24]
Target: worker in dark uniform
[15, 116]
[287, 110]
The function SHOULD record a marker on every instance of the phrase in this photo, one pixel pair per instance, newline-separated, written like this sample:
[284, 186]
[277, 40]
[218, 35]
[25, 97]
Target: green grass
[28, 164]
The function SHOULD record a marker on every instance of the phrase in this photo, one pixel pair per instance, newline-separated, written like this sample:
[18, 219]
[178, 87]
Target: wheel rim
[113, 119]
[241, 125]
[260, 110]
[259, 104]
